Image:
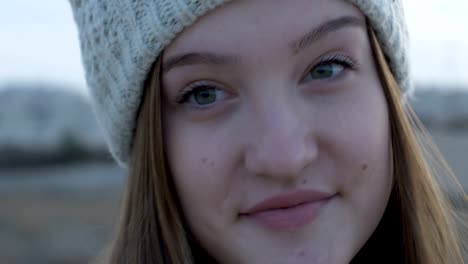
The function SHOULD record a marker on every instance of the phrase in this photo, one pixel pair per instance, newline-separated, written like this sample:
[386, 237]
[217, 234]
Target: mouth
[290, 211]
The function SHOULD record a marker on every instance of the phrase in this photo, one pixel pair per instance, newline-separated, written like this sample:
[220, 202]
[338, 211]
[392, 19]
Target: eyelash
[339, 59]
[185, 94]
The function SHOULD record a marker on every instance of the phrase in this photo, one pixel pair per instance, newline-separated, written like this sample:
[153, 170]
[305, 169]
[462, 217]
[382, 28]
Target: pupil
[323, 71]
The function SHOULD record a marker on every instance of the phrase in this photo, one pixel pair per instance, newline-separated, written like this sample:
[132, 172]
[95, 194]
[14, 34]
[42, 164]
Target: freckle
[204, 160]
[212, 164]
[364, 167]
[304, 181]
[301, 253]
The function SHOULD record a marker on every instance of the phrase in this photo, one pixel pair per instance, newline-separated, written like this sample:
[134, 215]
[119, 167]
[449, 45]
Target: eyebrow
[194, 58]
[325, 29]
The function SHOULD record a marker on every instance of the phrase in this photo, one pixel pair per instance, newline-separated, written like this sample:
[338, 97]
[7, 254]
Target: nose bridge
[283, 143]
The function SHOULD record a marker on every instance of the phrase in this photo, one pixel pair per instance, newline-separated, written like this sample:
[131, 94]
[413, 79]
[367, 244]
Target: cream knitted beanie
[120, 40]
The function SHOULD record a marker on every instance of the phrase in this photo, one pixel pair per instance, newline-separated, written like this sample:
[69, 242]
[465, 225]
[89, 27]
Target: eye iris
[205, 96]
[322, 71]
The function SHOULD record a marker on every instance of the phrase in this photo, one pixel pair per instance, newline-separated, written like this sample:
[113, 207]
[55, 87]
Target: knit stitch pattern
[121, 39]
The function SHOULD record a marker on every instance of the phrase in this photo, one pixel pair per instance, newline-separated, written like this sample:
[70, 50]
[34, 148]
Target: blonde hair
[418, 219]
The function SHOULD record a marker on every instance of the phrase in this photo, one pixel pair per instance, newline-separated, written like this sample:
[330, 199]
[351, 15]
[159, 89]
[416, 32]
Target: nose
[283, 143]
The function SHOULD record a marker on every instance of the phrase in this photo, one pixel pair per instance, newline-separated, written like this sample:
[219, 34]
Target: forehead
[251, 25]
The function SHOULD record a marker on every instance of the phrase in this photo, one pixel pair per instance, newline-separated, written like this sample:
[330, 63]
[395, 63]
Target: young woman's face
[276, 131]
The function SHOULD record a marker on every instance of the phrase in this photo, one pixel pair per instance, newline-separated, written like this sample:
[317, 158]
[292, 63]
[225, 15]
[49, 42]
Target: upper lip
[288, 200]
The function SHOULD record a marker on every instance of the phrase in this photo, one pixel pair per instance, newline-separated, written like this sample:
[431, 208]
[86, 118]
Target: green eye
[325, 71]
[202, 95]
[205, 96]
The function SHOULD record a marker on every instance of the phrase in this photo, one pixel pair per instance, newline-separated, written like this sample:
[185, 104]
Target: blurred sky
[39, 42]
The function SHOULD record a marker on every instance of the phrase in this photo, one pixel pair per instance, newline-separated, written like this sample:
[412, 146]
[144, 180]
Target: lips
[288, 211]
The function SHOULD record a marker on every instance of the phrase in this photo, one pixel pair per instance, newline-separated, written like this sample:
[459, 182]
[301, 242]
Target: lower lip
[291, 218]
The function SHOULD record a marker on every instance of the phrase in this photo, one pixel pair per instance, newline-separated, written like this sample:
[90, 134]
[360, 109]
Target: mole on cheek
[364, 167]
[204, 161]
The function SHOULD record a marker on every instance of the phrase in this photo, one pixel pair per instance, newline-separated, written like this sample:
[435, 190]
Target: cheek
[191, 164]
[356, 138]
[359, 134]
[356, 135]
[369, 162]
[201, 174]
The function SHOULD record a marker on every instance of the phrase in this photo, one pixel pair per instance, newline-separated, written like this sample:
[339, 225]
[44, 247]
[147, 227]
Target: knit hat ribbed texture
[120, 40]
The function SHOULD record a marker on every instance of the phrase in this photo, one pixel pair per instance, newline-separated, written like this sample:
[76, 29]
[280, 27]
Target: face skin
[271, 117]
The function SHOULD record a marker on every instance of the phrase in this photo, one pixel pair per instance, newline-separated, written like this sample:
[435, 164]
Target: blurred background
[59, 188]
